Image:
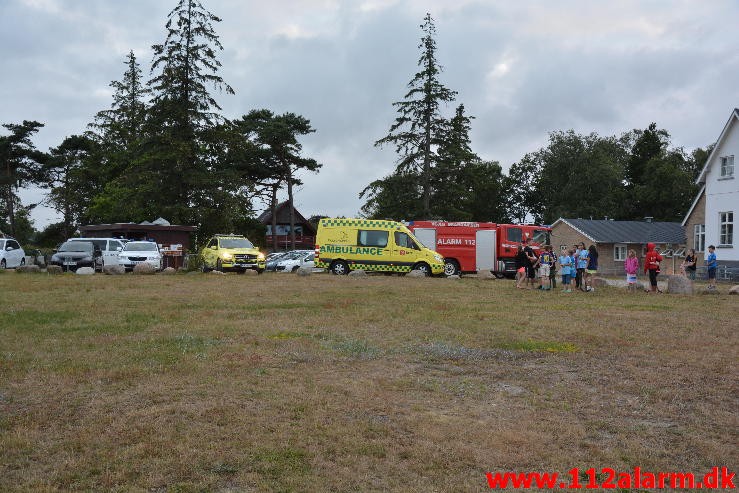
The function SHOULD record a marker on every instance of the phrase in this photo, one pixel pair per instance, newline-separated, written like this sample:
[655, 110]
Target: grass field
[280, 383]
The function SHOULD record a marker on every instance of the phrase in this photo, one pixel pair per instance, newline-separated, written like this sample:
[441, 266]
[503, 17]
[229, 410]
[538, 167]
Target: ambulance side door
[404, 248]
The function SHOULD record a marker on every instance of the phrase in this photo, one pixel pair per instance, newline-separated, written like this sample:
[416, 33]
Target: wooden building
[305, 233]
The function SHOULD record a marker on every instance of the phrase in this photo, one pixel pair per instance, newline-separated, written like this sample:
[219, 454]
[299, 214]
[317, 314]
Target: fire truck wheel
[339, 268]
[423, 267]
[451, 267]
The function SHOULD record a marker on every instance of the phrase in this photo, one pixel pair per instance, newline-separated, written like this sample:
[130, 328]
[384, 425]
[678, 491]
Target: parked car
[140, 252]
[71, 255]
[11, 254]
[273, 259]
[109, 246]
[231, 253]
[301, 258]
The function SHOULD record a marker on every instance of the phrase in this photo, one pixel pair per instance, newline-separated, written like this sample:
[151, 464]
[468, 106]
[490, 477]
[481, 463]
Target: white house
[710, 220]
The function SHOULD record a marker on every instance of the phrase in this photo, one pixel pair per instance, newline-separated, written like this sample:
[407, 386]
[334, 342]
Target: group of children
[578, 263]
[581, 264]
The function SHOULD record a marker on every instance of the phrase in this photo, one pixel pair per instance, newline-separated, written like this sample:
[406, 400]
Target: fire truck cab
[474, 246]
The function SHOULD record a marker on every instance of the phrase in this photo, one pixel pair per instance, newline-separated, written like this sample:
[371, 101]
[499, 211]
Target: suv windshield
[140, 247]
[76, 246]
[235, 243]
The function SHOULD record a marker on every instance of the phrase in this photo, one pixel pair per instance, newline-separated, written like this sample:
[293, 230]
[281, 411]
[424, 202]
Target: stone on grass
[734, 289]
[54, 270]
[357, 273]
[144, 269]
[85, 271]
[28, 269]
[304, 272]
[679, 285]
[455, 277]
[598, 282]
[169, 271]
[218, 272]
[416, 273]
[114, 270]
[485, 274]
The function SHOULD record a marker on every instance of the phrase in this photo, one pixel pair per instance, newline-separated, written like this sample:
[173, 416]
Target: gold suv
[231, 253]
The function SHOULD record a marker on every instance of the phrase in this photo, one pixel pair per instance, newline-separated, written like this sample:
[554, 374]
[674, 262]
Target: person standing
[565, 260]
[521, 262]
[582, 264]
[711, 265]
[651, 266]
[545, 266]
[592, 267]
[532, 259]
[631, 266]
[689, 265]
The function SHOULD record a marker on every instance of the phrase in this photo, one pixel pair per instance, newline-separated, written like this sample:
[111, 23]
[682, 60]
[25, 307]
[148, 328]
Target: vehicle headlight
[227, 256]
[260, 256]
[438, 258]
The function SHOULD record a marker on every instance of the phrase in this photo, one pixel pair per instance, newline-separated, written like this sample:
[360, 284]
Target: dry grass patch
[323, 383]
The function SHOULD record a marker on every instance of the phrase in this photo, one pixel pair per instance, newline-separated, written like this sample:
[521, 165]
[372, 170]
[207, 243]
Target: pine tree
[183, 112]
[21, 164]
[419, 127]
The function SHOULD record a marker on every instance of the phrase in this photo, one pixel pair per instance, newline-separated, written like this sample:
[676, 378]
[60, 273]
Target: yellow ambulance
[372, 245]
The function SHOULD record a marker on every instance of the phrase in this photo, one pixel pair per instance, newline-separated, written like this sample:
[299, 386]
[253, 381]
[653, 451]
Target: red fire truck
[471, 246]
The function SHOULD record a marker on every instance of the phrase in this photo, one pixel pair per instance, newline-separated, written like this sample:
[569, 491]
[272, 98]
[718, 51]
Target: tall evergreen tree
[419, 127]
[21, 165]
[183, 111]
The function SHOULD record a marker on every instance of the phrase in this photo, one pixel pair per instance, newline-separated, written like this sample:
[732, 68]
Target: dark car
[72, 255]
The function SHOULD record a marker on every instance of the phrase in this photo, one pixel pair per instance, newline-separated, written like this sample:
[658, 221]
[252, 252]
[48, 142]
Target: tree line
[438, 176]
[163, 148]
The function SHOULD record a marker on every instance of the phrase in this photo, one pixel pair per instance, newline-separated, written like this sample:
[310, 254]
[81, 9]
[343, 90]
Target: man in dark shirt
[531, 261]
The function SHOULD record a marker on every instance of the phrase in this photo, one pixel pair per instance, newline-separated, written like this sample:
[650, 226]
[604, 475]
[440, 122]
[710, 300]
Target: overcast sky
[523, 69]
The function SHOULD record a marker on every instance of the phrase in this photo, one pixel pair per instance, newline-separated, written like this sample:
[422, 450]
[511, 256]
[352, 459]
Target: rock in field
[169, 271]
[28, 269]
[734, 289]
[598, 282]
[484, 274]
[415, 273]
[54, 270]
[85, 271]
[218, 272]
[357, 273]
[454, 277]
[144, 269]
[114, 270]
[679, 285]
[304, 272]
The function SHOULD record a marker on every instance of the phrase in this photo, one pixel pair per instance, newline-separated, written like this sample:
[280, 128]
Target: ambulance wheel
[219, 266]
[423, 267]
[451, 267]
[339, 268]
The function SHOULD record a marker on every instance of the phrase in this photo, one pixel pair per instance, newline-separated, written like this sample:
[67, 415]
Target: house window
[727, 166]
[619, 253]
[699, 237]
[726, 228]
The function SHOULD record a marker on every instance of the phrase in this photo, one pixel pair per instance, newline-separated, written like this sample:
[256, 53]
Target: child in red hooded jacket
[651, 265]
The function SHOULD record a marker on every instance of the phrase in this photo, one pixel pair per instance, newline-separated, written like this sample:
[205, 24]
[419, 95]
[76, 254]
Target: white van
[109, 246]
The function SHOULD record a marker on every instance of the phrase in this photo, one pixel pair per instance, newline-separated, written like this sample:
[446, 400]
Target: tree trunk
[273, 207]
[11, 212]
[292, 210]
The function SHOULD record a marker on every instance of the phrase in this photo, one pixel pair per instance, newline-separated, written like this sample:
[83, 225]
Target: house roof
[266, 216]
[733, 118]
[606, 231]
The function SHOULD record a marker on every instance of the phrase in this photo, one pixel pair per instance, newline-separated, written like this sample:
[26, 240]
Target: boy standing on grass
[582, 264]
[712, 265]
[545, 267]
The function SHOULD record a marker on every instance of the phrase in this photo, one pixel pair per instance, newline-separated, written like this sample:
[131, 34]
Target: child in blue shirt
[565, 260]
[712, 265]
[582, 264]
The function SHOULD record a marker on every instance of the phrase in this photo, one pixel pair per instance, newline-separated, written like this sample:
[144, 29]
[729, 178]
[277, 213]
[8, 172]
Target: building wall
[722, 195]
[697, 216]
